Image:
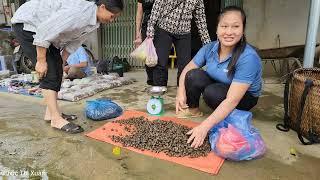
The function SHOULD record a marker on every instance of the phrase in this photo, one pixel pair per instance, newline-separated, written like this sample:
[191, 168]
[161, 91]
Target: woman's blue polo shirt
[248, 68]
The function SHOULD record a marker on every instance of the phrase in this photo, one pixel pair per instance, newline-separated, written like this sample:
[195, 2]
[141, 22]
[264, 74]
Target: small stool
[173, 56]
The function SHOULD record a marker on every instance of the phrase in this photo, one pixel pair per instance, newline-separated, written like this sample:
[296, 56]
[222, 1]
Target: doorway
[212, 9]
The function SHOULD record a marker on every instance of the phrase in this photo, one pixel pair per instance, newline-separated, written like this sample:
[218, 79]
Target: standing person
[231, 80]
[170, 22]
[144, 8]
[46, 27]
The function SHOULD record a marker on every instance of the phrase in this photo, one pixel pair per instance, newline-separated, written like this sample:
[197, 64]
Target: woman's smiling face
[230, 29]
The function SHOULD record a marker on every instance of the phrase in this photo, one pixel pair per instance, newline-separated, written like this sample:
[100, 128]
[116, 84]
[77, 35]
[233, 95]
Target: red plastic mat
[210, 164]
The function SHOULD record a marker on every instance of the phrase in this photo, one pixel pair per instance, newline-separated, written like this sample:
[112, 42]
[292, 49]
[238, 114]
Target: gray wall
[93, 44]
[269, 18]
[266, 20]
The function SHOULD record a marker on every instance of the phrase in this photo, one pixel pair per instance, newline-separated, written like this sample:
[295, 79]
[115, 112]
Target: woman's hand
[41, 67]
[138, 35]
[137, 42]
[181, 100]
[198, 134]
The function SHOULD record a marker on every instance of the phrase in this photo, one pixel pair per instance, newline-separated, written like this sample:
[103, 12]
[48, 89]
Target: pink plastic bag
[152, 58]
[231, 142]
[146, 52]
[235, 137]
[235, 145]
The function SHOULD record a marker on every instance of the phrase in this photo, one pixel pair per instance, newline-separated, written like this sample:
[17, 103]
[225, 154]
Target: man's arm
[80, 65]
[41, 54]
[65, 55]
[41, 65]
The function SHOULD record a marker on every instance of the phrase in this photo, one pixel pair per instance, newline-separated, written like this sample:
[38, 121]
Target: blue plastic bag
[102, 109]
[236, 139]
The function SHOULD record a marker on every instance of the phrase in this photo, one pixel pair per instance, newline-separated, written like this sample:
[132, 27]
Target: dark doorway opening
[212, 9]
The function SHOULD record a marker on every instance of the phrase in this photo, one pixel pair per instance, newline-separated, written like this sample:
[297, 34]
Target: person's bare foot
[190, 113]
[194, 111]
[58, 122]
[66, 126]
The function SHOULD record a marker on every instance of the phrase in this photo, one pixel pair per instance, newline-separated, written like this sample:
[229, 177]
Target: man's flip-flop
[67, 117]
[71, 128]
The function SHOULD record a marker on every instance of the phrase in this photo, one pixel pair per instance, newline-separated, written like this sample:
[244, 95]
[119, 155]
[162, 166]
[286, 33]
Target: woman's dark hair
[114, 6]
[241, 45]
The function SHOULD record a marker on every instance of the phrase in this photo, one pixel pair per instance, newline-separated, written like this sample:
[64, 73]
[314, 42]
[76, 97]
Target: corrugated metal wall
[117, 37]
[225, 3]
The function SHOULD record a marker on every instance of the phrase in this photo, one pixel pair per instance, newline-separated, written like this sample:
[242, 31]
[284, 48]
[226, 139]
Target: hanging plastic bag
[152, 58]
[236, 139]
[102, 109]
[140, 53]
[146, 52]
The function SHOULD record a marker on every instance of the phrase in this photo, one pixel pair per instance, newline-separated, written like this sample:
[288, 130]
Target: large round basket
[302, 103]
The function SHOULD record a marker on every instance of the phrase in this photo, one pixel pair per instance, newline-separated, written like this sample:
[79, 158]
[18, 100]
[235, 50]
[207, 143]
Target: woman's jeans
[198, 82]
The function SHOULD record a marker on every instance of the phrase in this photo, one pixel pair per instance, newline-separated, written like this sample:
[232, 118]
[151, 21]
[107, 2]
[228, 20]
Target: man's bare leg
[47, 115]
[51, 100]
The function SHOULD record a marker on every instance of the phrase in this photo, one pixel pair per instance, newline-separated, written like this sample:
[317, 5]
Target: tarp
[210, 164]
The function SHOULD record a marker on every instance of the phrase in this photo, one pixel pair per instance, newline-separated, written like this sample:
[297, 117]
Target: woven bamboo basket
[310, 119]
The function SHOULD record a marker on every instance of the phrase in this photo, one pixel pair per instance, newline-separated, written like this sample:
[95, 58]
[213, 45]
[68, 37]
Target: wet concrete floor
[28, 144]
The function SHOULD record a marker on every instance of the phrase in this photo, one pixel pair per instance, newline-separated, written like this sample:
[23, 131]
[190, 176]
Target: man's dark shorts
[53, 79]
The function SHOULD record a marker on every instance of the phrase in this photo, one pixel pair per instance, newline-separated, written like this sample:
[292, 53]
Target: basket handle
[285, 126]
[308, 84]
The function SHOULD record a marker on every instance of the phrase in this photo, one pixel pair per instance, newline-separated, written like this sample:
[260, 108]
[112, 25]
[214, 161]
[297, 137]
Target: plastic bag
[230, 144]
[140, 53]
[102, 109]
[236, 139]
[103, 66]
[239, 119]
[146, 52]
[152, 58]
[235, 145]
[258, 146]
